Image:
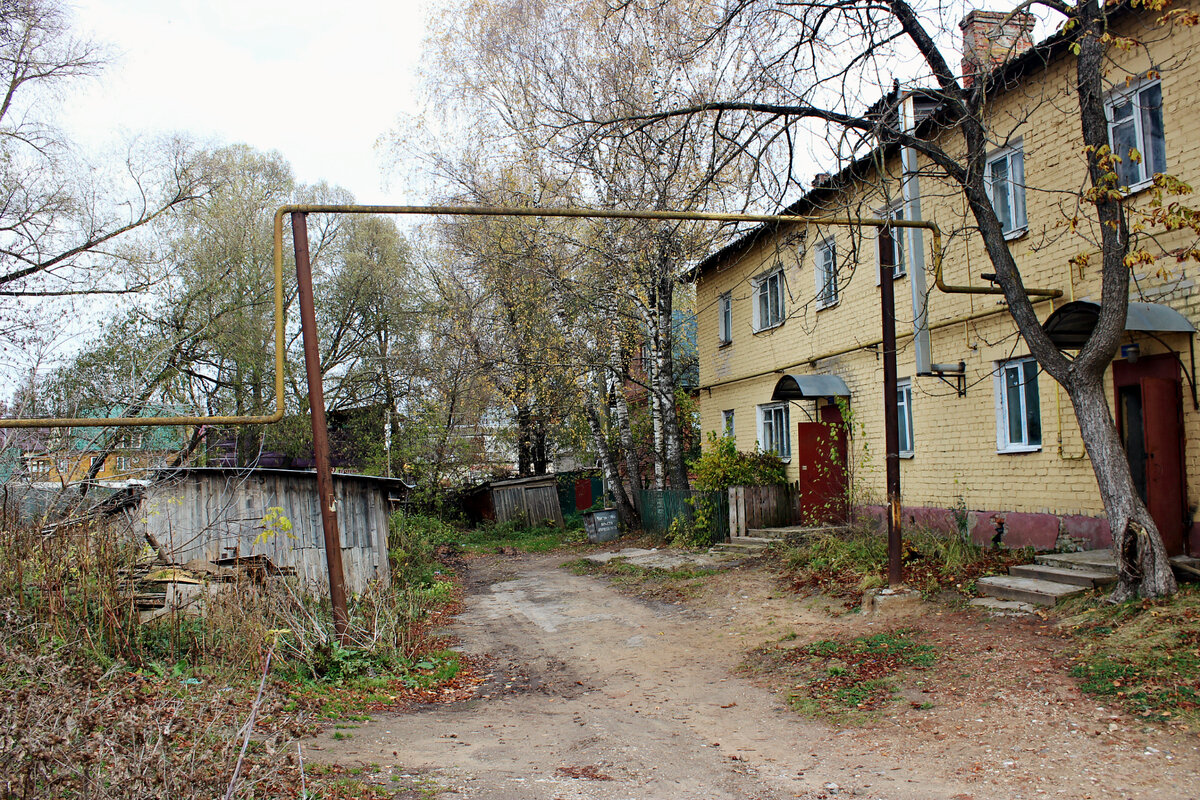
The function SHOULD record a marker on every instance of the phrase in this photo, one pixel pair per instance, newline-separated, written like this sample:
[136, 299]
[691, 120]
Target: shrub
[721, 465]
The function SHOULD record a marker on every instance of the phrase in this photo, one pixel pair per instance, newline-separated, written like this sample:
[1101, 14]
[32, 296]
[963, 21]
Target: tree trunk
[1144, 568]
[633, 464]
[626, 512]
[664, 383]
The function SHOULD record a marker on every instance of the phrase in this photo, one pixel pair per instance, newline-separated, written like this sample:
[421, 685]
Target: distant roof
[168, 474]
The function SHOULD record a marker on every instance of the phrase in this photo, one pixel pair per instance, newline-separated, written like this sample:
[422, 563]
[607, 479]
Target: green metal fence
[661, 508]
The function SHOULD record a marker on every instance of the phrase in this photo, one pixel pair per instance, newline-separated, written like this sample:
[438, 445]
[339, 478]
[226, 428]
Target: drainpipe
[911, 192]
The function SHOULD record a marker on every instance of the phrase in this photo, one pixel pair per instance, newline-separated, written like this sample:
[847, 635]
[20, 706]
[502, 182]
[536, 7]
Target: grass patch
[653, 582]
[841, 679]
[845, 565]
[1142, 654]
[515, 536]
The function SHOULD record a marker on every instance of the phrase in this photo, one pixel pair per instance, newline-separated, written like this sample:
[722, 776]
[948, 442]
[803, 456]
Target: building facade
[790, 319]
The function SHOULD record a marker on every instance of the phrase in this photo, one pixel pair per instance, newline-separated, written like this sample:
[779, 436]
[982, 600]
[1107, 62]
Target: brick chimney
[991, 38]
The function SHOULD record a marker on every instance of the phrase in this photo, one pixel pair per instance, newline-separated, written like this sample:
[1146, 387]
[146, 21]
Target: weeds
[841, 679]
[1142, 654]
[661, 584]
[844, 565]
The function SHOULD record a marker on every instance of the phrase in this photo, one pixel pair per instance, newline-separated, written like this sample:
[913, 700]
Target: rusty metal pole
[891, 424]
[316, 401]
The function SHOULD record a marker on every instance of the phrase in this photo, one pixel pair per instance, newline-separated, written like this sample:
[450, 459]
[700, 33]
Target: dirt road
[595, 694]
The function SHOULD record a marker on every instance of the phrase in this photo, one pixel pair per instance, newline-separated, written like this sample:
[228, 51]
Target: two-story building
[790, 320]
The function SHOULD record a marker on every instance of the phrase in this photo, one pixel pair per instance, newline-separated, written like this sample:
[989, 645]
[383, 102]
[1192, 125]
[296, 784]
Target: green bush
[412, 544]
[721, 465]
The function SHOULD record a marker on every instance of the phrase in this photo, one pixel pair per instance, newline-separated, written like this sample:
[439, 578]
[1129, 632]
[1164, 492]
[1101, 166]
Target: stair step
[1026, 590]
[1089, 560]
[1088, 578]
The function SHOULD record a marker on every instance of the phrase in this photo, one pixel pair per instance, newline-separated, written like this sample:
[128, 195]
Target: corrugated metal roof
[1070, 326]
[168, 474]
[809, 387]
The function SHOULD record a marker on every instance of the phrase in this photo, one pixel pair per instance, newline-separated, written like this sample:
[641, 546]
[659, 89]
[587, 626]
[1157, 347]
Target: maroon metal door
[1150, 420]
[1163, 433]
[821, 453]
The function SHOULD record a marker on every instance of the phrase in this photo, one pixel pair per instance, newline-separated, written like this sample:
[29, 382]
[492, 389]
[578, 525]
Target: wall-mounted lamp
[1131, 351]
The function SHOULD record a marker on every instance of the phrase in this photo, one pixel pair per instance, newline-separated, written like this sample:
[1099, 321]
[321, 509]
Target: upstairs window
[1135, 129]
[904, 416]
[1018, 409]
[774, 434]
[768, 300]
[725, 318]
[826, 271]
[1005, 181]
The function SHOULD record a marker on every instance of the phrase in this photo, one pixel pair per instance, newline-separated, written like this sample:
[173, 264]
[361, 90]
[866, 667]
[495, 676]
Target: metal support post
[316, 400]
[891, 426]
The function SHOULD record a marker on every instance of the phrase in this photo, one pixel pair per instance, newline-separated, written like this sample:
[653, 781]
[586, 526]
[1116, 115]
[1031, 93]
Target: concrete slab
[1026, 590]
[1092, 560]
[1088, 578]
[1004, 608]
[658, 559]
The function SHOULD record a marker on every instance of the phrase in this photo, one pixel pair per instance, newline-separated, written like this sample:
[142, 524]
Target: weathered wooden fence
[780, 506]
[661, 508]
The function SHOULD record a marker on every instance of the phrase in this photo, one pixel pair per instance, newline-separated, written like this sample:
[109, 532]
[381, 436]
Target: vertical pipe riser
[316, 399]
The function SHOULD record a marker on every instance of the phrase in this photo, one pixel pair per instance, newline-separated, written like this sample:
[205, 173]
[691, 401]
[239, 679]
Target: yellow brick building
[1007, 448]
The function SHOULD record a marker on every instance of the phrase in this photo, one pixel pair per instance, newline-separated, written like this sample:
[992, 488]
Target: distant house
[789, 327]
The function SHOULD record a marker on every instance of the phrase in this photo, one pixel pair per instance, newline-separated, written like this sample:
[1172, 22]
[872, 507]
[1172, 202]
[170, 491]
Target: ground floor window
[774, 434]
[1018, 410]
[727, 422]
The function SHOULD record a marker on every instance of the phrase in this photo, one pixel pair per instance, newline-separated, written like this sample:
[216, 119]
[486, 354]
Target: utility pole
[891, 427]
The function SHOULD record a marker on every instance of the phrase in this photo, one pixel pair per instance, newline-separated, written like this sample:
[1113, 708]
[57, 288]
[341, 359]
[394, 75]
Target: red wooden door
[1163, 436]
[821, 452]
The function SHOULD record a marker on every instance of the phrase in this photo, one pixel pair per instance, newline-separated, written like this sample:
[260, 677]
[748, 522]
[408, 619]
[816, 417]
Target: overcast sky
[316, 82]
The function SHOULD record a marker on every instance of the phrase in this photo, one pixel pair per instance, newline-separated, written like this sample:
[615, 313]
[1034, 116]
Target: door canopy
[809, 387]
[1070, 326]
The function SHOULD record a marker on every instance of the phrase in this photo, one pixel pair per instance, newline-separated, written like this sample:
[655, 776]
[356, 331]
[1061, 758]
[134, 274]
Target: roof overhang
[1070, 326]
[809, 387]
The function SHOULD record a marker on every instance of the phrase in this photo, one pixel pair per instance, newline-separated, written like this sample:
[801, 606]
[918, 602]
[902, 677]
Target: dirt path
[596, 694]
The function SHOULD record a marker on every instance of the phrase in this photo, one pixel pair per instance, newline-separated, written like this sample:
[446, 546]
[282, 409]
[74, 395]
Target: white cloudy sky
[316, 81]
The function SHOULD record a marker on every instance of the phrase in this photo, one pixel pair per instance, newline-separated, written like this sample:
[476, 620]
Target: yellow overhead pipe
[476, 211]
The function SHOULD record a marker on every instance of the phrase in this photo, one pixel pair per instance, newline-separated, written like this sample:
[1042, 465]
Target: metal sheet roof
[809, 387]
[1070, 326]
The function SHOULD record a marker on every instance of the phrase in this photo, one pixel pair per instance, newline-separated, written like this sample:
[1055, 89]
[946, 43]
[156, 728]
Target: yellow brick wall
[955, 438]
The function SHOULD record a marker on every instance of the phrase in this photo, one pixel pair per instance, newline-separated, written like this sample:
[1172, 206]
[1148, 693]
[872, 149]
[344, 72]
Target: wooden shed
[534, 499]
[216, 513]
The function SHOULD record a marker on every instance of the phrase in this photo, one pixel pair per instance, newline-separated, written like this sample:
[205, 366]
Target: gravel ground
[597, 694]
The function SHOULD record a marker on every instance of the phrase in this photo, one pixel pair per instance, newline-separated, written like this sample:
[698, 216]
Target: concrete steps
[1087, 578]
[1052, 577]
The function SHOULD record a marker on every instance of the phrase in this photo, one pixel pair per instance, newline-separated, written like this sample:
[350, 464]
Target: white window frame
[775, 429]
[900, 267]
[725, 318]
[905, 416]
[825, 270]
[1006, 442]
[1133, 93]
[727, 420]
[122, 463]
[1013, 201]
[764, 284]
